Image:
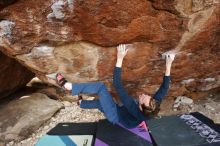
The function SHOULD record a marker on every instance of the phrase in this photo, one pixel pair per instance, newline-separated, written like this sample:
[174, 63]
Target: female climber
[131, 112]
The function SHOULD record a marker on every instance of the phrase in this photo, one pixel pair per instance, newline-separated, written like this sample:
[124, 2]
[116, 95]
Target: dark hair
[153, 108]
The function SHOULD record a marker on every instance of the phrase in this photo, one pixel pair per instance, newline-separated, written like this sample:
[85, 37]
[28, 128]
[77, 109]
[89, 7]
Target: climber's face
[144, 99]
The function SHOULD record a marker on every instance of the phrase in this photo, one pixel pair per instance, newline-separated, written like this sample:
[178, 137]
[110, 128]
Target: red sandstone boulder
[78, 38]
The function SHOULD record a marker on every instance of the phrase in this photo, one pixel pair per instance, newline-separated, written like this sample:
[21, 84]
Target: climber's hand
[169, 59]
[122, 51]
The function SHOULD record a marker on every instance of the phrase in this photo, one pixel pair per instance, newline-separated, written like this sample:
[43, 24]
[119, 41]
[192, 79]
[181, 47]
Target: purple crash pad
[99, 142]
[141, 132]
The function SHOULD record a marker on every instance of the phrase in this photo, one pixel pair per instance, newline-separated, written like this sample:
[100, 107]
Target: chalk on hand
[171, 54]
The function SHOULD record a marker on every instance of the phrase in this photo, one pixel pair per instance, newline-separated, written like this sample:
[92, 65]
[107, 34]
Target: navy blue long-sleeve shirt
[129, 114]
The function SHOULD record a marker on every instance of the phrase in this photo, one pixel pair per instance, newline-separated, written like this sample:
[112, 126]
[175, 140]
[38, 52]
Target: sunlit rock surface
[21, 117]
[78, 38]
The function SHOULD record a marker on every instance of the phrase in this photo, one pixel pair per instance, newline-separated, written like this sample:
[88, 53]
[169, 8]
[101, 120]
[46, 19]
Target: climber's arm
[161, 93]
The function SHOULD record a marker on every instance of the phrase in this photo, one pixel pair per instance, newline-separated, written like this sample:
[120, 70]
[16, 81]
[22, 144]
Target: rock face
[4, 3]
[22, 117]
[13, 75]
[78, 38]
